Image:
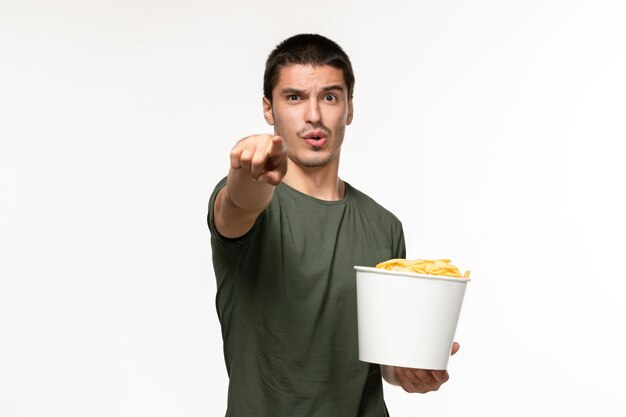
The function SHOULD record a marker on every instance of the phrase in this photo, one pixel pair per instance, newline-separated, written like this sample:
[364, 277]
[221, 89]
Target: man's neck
[322, 182]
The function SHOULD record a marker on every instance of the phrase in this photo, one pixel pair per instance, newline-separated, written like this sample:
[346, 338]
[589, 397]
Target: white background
[491, 128]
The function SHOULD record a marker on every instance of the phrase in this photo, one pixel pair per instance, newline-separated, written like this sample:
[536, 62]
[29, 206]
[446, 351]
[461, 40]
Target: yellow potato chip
[441, 267]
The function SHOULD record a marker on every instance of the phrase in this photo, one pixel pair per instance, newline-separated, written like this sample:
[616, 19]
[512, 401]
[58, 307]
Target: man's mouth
[316, 138]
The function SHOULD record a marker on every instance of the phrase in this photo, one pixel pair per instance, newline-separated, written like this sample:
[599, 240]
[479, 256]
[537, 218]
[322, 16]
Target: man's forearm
[238, 205]
[245, 193]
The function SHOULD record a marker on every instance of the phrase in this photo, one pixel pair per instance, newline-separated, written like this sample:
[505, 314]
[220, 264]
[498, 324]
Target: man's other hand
[417, 380]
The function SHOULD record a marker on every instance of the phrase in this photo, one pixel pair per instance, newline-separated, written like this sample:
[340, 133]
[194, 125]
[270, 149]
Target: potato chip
[441, 267]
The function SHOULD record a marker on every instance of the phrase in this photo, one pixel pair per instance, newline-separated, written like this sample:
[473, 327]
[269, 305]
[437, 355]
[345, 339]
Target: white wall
[491, 128]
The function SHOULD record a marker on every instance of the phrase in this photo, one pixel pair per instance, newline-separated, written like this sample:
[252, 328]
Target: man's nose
[312, 115]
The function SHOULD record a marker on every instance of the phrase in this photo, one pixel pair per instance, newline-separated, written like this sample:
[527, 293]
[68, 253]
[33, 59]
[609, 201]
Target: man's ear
[350, 112]
[267, 111]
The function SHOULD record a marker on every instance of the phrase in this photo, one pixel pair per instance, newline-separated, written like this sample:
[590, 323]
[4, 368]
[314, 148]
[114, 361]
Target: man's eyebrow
[290, 90]
[333, 87]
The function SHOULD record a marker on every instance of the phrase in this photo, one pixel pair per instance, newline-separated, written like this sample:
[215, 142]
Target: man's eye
[292, 97]
[330, 97]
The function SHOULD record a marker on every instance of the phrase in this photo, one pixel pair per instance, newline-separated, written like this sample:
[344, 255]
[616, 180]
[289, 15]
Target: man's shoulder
[366, 202]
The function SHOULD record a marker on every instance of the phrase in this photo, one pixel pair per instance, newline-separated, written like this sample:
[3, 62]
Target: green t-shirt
[286, 301]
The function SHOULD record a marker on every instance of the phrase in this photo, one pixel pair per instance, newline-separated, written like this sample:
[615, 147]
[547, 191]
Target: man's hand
[417, 380]
[262, 157]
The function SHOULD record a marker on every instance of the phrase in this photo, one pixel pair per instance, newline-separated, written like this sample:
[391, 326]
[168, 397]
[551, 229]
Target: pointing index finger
[277, 147]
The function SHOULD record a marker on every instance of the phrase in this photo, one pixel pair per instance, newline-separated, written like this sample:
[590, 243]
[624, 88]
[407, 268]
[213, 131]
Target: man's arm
[257, 165]
[416, 380]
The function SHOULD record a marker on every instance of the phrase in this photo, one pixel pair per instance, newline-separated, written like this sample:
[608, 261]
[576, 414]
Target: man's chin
[315, 161]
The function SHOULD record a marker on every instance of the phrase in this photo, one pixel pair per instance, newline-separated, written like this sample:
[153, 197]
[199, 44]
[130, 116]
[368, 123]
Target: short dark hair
[306, 49]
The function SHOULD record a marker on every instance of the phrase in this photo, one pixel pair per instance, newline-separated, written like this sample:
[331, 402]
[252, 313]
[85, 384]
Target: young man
[286, 233]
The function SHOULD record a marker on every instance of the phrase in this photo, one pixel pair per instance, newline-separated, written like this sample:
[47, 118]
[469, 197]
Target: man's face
[310, 111]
